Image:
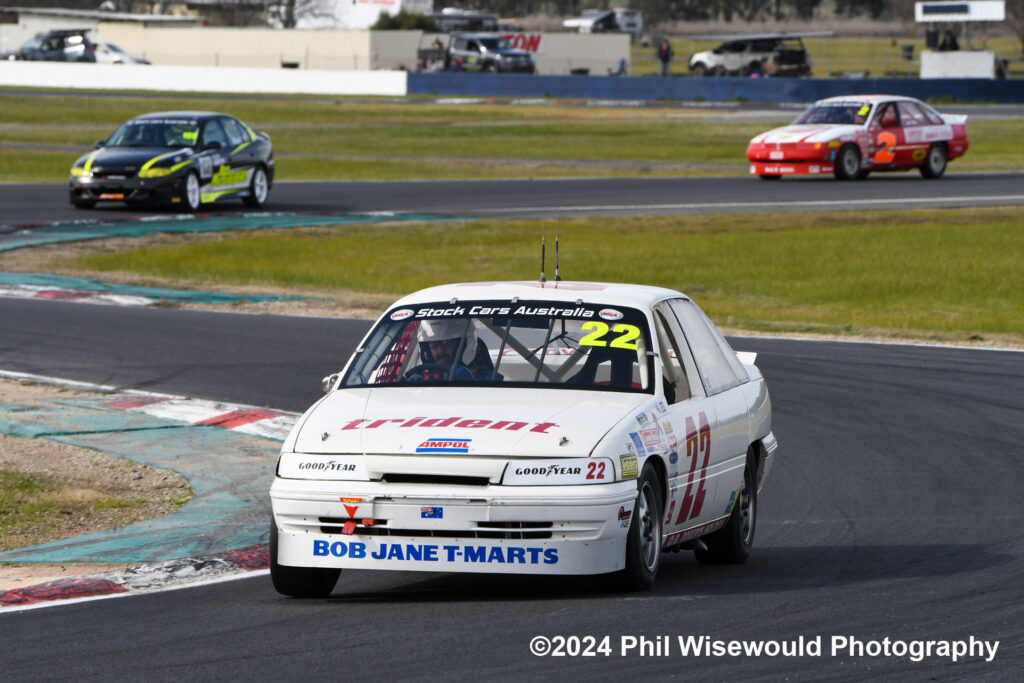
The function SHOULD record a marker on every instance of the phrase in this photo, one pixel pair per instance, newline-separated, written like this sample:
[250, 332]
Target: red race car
[853, 135]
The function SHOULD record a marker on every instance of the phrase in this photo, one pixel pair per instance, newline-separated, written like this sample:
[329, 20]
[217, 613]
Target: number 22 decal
[886, 142]
[698, 443]
[595, 470]
[626, 340]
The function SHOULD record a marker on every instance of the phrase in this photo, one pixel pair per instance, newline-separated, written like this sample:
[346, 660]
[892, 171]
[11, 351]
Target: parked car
[485, 52]
[616, 20]
[853, 135]
[108, 53]
[520, 427]
[60, 45]
[184, 158]
[773, 54]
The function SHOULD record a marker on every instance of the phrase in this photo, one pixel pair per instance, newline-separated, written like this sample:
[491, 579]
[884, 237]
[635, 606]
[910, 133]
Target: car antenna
[542, 246]
[558, 277]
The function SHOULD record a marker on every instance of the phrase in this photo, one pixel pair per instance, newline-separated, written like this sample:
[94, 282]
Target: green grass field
[952, 275]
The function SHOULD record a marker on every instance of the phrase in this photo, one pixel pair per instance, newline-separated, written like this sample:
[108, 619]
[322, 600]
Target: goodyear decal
[430, 552]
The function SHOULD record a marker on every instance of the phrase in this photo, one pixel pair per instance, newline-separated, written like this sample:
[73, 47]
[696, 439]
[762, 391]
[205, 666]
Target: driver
[444, 343]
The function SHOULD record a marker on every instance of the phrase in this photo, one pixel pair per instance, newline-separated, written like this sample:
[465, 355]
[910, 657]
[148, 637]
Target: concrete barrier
[649, 88]
[201, 79]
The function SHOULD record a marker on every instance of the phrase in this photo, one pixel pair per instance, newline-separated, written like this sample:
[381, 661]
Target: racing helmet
[442, 330]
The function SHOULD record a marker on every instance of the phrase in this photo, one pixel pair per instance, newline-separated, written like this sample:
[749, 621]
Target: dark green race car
[186, 158]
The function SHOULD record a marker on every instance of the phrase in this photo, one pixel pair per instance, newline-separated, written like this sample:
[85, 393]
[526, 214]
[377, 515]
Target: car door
[887, 136]
[719, 431]
[689, 425]
[916, 130]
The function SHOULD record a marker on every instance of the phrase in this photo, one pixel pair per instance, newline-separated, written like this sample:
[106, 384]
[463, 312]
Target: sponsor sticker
[638, 444]
[610, 314]
[641, 419]
[444, 446]
[402, 314]
[624, 516]
[431, 552]
[628, 464]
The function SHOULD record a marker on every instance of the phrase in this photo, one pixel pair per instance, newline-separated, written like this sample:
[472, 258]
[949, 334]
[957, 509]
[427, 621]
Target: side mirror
[216, 144]
[329, 381]
[98, 144]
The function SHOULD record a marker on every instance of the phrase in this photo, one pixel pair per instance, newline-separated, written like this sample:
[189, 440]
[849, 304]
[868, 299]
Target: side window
[214, 132]
[677, 387]
[716, 361]
[236, 132]
[910, 115]
[929, 115]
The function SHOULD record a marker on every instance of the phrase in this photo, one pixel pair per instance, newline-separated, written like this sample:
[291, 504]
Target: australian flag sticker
[432, 512]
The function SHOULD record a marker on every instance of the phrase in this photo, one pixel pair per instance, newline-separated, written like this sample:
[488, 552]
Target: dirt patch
[53, 491]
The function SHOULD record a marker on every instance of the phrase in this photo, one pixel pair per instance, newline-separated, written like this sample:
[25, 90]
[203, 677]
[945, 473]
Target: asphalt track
[47, 202]
[894, 512]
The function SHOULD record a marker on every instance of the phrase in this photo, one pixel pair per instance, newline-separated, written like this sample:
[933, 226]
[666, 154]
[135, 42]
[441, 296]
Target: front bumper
[791, 167]
[488, 529]
[142, 190]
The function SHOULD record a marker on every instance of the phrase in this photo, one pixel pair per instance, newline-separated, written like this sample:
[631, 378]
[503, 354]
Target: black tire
[732, 543]
[718, 70]
[765, 176]
[299, 582]
[259, 188]
[698, 70]
[935, 162]
[848, 163]
[643, 543]
[489, 67]
[80, 203]
[193, 192]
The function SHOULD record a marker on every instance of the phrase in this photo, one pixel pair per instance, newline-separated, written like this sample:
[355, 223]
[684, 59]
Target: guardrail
[399, 83]
[721, 89]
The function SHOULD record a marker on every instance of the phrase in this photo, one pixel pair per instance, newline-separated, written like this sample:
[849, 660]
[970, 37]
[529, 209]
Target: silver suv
[486, 52]
[772, 55]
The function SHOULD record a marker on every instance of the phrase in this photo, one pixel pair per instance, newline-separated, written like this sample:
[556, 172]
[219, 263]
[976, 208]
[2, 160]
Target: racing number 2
[886, 142]
[698, 443]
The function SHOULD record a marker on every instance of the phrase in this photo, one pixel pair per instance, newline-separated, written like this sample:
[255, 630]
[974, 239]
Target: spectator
[665, 54]
[948, 43]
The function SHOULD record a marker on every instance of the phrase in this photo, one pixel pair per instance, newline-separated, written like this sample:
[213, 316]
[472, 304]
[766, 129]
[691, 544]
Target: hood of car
[121, 159]
[480, 421]
[807, 132]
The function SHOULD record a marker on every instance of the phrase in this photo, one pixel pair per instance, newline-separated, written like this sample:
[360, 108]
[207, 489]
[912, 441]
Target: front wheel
[935, 163]
[80, 203]
[258, 189]
[643, 542]
[848, 163]
[698, 70]
[193, 193]
[299, 582]
[732, 543]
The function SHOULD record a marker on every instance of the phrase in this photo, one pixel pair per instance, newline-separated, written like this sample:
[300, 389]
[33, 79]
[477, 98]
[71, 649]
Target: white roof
[636, 296]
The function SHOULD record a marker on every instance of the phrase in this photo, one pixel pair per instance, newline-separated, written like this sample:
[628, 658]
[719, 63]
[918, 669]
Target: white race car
[529, 428]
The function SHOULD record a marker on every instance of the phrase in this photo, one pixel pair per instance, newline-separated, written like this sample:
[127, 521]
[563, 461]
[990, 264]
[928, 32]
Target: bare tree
[288, 12]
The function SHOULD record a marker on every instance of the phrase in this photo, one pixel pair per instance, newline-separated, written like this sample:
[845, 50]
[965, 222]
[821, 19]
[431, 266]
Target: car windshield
[494, 43]
[837, 112]
[515, 343]
[156, 133]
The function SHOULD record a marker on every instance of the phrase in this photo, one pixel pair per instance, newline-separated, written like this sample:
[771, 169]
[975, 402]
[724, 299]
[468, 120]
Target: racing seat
[621, 370]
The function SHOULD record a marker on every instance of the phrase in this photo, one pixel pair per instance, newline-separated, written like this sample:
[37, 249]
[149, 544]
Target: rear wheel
[732, 543]
[643, 543]
[299, 582]
[258, 189]
[848, 163]
[718, 70]
[935, 163]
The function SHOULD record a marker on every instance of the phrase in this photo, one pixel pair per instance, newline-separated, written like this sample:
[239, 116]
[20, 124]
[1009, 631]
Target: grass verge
[949, 275]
